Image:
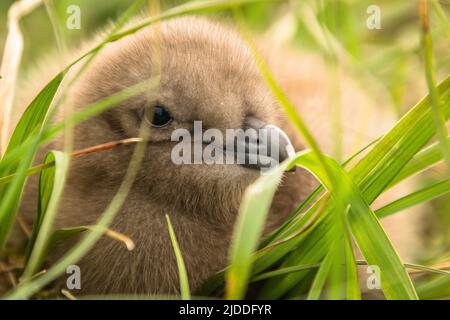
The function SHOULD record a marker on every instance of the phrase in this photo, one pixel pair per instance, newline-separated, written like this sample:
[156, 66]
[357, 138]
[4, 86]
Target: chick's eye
[158, 116]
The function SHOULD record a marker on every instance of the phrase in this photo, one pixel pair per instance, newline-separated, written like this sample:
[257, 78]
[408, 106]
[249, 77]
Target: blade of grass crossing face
[64, 234]
[288, 107]
[364, 219]
[131, 10]
[252, 215]
[76, 154]
[308, 200]
[87, 112]
[182, 273]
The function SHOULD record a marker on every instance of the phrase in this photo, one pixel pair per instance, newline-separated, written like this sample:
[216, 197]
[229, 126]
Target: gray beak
[262, 145]
[258, 145]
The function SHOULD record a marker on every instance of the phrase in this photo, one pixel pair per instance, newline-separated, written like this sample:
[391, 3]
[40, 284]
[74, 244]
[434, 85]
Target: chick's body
[208, 74]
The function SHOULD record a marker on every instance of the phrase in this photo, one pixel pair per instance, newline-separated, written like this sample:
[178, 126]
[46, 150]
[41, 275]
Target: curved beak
[265, 145]
[258, 145]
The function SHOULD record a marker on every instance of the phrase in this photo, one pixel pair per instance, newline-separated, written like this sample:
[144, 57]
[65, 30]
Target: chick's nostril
[254, 123]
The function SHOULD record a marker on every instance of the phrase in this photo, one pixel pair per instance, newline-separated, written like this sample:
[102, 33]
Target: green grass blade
[64, 234]
[278, 272]
[61, 235]
[376, 171]
[442, 17]
[31, 171]
[252, 215]
[288, 270]
[29, 128]
[51, 185]
[438, 113]
[309, 200]
[421, 161]
[182, 273]
[187, 8]
[427, 269]
[438, 288]
[321, 276]
[423, 195]
[373, 242]
[353, 291]
[315, 243]
[34, 116]
[378, 250]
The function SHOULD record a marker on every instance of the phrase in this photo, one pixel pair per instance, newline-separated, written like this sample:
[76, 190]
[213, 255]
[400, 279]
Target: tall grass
[311, 255]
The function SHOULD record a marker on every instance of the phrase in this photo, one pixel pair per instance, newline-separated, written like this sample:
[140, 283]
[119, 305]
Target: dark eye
[158, 116]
